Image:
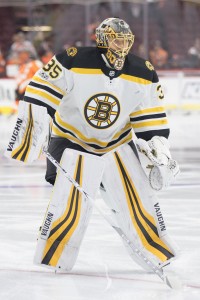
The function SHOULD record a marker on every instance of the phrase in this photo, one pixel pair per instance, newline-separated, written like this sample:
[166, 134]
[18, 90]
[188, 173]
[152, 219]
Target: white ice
[103, 270]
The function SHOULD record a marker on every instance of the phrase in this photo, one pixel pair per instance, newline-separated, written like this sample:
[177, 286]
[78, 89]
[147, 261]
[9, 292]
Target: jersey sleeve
[49, 85]
[149, 118]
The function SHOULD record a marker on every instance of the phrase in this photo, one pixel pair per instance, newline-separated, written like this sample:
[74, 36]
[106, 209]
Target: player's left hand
[158, 165]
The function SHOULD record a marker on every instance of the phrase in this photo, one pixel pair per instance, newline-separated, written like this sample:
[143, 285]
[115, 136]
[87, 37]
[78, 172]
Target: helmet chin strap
[106, 61]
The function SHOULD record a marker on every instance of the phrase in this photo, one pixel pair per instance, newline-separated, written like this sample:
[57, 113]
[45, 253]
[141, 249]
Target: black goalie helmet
[115, 37]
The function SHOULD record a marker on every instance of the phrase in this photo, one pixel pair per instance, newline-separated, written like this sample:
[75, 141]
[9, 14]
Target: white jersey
[97, 107]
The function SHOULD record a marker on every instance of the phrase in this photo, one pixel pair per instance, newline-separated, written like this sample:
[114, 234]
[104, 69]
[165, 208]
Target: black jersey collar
[111, 73]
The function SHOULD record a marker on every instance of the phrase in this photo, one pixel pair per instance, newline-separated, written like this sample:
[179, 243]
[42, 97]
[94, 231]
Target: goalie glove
[160, 177]
[157, 163]
[157, 150]
[30, 134]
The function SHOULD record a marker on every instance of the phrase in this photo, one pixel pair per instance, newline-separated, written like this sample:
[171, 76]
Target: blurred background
[166, 33]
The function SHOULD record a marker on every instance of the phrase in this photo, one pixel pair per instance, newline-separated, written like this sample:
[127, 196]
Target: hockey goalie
[110, 131]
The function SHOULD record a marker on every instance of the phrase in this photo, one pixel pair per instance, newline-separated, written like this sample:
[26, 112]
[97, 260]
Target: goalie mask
[115, 39]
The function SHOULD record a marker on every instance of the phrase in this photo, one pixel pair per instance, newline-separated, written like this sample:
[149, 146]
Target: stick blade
[173, 282]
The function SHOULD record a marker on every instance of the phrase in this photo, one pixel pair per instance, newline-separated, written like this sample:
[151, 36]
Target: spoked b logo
[102, 110]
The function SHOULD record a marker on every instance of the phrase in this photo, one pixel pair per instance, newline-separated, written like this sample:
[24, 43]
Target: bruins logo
[149, 65]
[102, 110]
[71, 51]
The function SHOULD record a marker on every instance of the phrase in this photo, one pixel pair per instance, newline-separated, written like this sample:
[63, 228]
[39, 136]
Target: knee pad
[68, 212]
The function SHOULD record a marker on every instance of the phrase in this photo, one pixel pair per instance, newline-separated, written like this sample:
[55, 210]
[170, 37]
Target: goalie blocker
[30, 134]
[127, 192]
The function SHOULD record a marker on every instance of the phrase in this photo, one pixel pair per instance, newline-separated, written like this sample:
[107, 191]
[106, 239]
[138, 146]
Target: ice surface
[103, 270]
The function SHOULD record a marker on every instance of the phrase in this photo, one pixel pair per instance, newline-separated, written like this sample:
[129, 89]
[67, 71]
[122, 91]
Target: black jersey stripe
[147, 135]
[46, 88]
[113, 142]
[134, 201]
[153, 116]
[90, 58]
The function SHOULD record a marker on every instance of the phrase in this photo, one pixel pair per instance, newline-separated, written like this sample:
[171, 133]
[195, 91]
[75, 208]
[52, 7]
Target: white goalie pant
[136, 208]
[68, 212]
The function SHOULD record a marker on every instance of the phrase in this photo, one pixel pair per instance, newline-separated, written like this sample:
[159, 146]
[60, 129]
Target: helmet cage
[119, 43]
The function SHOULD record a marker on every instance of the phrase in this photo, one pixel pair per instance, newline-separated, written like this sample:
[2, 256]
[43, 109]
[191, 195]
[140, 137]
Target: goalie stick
[171, 282]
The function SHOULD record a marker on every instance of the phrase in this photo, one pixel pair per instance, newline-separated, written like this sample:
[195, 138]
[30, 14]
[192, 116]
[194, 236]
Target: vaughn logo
[46, 225]
[159, 217]
[14, 135]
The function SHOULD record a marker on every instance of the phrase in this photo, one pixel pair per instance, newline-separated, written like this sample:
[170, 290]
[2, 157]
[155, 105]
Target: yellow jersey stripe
[82, 137]
[36, 92]
[157, 122]
[86, 71]
[60, 133]
[37, 79]
[135, 79]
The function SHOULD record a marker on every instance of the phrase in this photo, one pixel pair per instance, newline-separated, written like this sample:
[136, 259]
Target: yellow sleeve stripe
[86, 71]
[148, 110]
[135, 79]
[43, 94]
[150, 123]
[41, 81]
